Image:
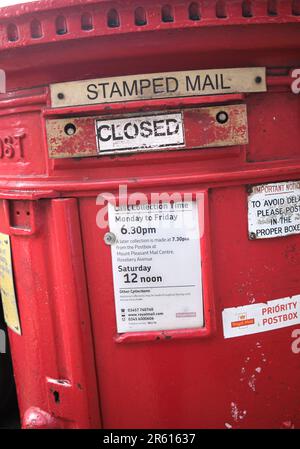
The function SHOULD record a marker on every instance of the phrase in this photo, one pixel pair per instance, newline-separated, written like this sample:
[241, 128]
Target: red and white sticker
[262, 317]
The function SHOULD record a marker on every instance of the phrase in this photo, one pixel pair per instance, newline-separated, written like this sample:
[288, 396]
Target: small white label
[140, 133]
[157, 266]
[274, 210]
[262, 317]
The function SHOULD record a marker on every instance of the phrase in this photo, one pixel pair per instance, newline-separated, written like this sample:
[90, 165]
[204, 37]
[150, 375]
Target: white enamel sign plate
[143, 132]
[274, 210]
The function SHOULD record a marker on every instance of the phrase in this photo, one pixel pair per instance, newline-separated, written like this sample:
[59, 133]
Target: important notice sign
[158, 85]
[156, 266]
[274, 210]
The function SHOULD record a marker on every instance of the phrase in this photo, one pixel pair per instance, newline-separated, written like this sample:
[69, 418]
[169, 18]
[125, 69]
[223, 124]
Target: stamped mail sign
[158, 85]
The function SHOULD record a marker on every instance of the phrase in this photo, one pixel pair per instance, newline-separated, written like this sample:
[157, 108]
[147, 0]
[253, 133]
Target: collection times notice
[156, 266]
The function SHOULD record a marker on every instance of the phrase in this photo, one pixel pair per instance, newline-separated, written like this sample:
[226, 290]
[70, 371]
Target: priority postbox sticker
[143, 132]
[261, 317]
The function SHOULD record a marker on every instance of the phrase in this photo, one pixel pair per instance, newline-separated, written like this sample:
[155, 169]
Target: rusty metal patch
[218, 126]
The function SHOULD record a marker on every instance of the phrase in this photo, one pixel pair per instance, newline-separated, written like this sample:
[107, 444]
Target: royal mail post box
[149, 212]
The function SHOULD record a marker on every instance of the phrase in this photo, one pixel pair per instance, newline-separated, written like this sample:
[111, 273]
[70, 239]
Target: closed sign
[142, 132]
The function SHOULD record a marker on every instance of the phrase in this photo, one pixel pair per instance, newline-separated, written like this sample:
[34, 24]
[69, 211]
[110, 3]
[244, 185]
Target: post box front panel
[234, 363]
[207, 336]
[201, 332]
[178, 379]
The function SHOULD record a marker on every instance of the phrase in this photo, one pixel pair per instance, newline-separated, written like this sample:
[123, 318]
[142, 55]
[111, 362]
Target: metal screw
[70, 129]
[252, 236]
[258, 79]
[222, 117]
[60, 96]
[110, 238]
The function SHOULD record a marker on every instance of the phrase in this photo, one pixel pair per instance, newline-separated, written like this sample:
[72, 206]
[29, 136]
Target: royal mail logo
[242, 321]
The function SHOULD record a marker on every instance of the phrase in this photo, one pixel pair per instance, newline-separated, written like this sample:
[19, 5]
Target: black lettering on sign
[208, 83]
[130, 90]
[93, 93]
[222, 82]
[169, 128]
[164, 130]
[100, 134]
[157, 85]
[217, 81]
[157, 124]
[131, 126]
[144, 84]
[146, 130]
[193, 86]
[171, 84]
[114, 134]
[115, 90]
[103, 87]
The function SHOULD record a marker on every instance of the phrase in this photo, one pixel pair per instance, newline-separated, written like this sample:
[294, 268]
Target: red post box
[149, 212]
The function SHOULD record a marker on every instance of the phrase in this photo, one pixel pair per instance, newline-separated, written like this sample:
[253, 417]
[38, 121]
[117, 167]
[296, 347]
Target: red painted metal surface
[72, 369]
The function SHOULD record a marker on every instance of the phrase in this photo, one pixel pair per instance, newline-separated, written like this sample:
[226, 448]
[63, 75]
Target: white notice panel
[156, 266]
[274, 210]
[140, 132]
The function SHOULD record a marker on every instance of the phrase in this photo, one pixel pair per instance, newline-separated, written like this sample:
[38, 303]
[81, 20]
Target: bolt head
[110, 238]
[222, 117]
[70, 129]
